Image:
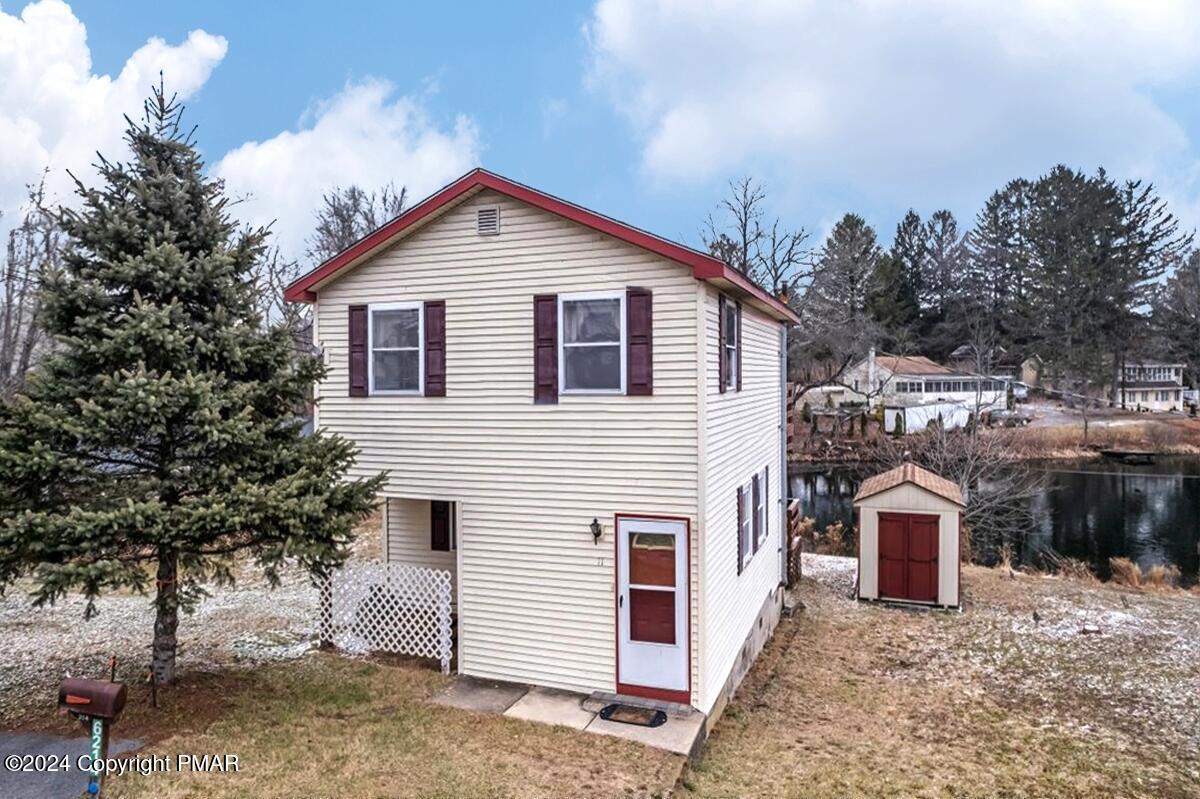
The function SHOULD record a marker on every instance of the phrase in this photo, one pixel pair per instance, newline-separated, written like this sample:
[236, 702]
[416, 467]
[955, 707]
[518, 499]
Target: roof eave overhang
[861, 496]
[704, 266]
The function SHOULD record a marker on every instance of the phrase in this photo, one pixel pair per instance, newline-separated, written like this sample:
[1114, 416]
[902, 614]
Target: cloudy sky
[641, 109]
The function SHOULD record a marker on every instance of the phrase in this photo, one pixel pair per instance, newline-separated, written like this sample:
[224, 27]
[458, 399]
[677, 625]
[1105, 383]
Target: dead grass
[1070, 568]
[1162, 577]
[1161, 434]
[1125, 572]
[335, 728]
[863, 700]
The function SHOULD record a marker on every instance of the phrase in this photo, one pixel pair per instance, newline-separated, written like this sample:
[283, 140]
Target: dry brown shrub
[1162, 437]
[1125, 572]
[1075, 569]
[1162, 577]
[1004, 560]
[835, 539]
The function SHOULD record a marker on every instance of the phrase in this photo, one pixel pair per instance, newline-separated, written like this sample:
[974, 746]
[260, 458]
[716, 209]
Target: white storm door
[652, 604]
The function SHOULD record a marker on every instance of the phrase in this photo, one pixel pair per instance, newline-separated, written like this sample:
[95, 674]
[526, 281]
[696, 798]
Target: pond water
[1090, 509]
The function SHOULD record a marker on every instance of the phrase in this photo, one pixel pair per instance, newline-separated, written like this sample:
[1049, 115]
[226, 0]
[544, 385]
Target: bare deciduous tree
[347, 214]
[272, 274]
[772, 255]
[997, 484]
[33, 245]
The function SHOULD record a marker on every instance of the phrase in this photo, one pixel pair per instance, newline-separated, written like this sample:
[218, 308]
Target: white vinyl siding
[407, 536]
[537, 595]
[741, 437]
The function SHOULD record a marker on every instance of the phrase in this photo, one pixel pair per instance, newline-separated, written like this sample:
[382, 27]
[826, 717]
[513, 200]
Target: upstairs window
[592, 343]
[730, 350]
[395, 345]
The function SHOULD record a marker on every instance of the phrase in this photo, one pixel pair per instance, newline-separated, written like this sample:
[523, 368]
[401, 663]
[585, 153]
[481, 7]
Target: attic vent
[487, 221]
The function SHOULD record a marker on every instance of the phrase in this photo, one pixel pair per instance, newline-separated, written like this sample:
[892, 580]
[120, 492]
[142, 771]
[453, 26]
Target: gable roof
[911, 473]
[911, 365]
[704, 266]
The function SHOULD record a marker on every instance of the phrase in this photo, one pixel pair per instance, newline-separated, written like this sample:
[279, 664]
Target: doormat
[628, 714]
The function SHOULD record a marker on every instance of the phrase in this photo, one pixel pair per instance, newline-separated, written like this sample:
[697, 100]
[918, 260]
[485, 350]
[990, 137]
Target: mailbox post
[96, 704]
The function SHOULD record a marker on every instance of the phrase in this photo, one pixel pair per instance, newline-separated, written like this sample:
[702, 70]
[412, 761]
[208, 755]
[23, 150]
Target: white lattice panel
[373, 606]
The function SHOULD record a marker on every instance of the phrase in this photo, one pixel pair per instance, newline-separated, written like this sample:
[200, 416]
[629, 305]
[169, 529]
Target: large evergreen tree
[1176, 316]
[896, 286]
[1148, 242]
[943, 270]
[998, 279]
[839, 324]
[161, 439]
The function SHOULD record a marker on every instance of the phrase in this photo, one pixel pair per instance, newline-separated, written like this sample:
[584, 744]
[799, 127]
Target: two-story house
[1151, 385]
[582, 421]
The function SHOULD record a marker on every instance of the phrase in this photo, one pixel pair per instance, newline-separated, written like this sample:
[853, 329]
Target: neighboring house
[907, 381]
[1152, 386]
[581, 421]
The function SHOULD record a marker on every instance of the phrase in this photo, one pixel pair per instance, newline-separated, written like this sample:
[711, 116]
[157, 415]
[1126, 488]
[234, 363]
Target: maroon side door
[908, 557]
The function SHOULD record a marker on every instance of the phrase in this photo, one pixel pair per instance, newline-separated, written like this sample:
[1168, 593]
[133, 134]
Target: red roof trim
[704, 266]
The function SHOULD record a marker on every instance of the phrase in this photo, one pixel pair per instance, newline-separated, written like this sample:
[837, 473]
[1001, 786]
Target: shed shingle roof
[911, 473]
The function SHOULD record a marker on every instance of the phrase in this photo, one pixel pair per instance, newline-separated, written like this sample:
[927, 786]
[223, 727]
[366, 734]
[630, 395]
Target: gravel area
[237, 626]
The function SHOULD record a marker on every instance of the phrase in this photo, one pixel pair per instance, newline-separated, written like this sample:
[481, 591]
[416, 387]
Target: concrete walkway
[682, 733]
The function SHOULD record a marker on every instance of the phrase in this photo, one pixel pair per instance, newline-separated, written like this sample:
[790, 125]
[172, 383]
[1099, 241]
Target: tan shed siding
[908, 498]
[742, 436]
[537, 595]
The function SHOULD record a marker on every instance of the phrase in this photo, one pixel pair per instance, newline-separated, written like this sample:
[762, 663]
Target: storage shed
[909, 525]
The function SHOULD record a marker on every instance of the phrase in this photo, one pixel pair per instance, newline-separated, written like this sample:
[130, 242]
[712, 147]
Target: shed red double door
[908, 557]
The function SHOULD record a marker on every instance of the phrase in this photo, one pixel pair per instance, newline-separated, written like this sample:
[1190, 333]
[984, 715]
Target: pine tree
[838, 300]
[1176, 316]
[998, 273]
[943, 269]
[1074, 228]
[161, 440]
[1148, 242]
[894, 293]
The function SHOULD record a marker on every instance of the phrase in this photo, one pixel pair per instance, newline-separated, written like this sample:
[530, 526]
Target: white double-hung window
[731, 344]
[395, 335]
[591, 343]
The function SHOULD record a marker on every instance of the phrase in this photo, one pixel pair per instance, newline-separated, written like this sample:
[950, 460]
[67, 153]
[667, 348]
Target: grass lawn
[333, 728]
[1097, 695]
[853, 700]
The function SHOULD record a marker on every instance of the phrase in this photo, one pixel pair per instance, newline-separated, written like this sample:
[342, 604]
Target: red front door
[908, 557]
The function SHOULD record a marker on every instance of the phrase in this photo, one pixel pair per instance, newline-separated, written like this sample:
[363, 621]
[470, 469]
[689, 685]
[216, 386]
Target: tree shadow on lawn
[326, 725]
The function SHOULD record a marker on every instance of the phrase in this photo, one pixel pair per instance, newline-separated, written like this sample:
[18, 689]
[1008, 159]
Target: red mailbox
[95, 698]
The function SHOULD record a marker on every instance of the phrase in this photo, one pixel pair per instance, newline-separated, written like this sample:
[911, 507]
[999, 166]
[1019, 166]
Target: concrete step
[599, 699]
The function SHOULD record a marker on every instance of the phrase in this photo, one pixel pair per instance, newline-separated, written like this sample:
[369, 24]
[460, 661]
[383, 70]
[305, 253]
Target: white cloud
[55, 112]
[895, 102]
[364, 135]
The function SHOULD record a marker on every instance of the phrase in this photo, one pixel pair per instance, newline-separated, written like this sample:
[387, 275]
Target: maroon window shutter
[756, 520]
[766, 489]
[545, 349]
[358, 351]
[739, 346]
[439, 526]
[740, 522]
[435, 348]
[722, 366]
[639, 330]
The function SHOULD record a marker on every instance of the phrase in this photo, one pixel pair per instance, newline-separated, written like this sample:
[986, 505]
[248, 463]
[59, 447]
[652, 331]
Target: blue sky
[641, 110]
